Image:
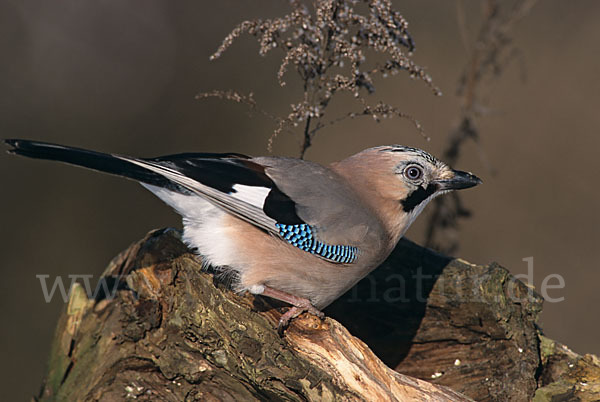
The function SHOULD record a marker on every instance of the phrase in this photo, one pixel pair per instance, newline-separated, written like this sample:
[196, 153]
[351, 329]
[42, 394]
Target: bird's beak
[460, 181]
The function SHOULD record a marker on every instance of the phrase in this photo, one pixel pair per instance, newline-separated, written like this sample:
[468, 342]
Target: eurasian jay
[285, 228]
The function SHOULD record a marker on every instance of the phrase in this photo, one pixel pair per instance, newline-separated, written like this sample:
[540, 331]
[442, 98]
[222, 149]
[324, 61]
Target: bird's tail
[109, 163]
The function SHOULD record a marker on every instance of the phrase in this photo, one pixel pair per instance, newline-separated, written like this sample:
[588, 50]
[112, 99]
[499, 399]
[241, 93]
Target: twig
[485, 61]
[326, 45]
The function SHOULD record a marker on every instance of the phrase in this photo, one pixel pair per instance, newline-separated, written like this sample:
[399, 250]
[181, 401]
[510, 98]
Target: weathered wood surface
[567, 376]
[466, 326]
[172, 333]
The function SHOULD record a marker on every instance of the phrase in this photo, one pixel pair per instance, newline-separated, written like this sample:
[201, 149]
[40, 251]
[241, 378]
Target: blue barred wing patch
[301, 236]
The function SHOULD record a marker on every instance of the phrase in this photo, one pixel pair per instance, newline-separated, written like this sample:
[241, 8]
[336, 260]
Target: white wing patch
[240, 208]
[253, 195]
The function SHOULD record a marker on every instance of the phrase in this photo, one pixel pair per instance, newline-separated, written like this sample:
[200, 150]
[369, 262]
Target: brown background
[121, 76]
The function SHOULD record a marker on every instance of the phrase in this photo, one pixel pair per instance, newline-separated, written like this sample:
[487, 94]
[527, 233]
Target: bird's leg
[300, 305]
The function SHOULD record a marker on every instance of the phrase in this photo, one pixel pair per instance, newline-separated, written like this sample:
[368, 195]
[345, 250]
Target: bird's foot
[294, 312]
[299, 305]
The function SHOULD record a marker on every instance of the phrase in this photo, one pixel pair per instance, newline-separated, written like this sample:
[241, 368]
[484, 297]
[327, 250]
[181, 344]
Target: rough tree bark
[165, 330]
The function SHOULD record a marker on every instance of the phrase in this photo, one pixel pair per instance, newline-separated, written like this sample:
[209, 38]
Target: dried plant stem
[326, 44]
[306, 143]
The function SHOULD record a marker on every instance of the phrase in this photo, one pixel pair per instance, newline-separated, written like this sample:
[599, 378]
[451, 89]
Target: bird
[286, 228]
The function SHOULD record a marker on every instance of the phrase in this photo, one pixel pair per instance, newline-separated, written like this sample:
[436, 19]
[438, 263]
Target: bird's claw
[294, 312]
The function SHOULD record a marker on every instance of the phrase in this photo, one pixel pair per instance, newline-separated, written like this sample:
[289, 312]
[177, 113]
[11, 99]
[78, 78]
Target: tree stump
[163, 329]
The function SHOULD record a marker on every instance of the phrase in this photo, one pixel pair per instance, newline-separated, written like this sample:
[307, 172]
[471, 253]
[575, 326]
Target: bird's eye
[413, 172]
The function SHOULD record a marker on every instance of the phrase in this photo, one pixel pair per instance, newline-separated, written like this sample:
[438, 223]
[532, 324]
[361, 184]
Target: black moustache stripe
[417, 197]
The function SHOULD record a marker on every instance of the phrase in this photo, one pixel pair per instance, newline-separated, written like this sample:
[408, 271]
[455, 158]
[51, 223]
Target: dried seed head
[326, 45]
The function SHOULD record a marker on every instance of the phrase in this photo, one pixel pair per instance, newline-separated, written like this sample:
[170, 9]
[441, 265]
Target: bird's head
[422, 177]
[399, 181]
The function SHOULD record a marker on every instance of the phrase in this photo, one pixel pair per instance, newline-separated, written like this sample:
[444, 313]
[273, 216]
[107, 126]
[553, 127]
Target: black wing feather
[220, 171]
[281, 208]
[90, 159]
